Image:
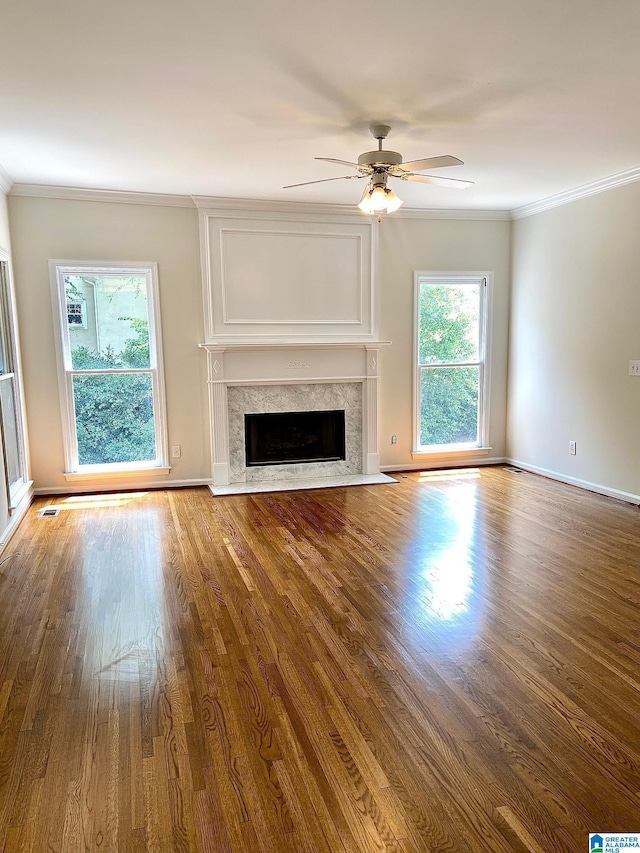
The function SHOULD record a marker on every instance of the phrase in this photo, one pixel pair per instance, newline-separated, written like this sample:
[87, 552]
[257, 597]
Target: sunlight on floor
[448, 582]
[98, 501]
[447, 573]
[459, 474]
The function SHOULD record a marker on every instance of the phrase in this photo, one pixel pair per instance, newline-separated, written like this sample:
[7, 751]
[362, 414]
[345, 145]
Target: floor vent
[514, 470]
[49, 512]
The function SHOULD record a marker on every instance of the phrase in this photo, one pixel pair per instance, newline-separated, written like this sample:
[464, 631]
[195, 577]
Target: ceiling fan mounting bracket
[379, 131]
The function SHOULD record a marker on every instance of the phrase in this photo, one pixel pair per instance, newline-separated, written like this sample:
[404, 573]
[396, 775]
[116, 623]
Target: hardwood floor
[447, 664]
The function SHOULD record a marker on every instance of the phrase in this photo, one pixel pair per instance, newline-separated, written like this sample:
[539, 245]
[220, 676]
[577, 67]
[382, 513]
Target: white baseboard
[16, 517]
[122, 486]
[575, 481]
[458, 463]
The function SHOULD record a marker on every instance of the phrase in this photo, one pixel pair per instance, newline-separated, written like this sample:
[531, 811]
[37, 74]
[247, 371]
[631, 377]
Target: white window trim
[452, 452]
[20, 488]
[73, 470]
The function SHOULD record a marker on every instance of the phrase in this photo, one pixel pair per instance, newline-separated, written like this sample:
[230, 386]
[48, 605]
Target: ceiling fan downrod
[379, 132]
[380, 157]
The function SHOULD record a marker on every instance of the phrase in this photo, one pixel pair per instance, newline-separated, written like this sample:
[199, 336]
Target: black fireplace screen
[284, 438]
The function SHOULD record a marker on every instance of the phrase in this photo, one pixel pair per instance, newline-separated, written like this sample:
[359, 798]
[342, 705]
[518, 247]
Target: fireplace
[281, 438]
[307, 401]
[307, 379]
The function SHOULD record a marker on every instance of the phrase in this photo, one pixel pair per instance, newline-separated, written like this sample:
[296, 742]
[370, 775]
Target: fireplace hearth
[282, 438]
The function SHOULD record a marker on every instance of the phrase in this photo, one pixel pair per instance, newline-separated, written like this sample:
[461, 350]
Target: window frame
[58, 269]
[13, 375]
[481, 447]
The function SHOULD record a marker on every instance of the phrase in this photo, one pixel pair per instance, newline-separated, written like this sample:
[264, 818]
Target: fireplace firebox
[285, 438]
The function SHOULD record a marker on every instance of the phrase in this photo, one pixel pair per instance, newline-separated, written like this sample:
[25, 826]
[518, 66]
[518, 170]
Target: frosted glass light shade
[379, 199]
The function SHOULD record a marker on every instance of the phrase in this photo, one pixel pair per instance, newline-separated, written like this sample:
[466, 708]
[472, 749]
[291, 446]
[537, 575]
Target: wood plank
[450, 664]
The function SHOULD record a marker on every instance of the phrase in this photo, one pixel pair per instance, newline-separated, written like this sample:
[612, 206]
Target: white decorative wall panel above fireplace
[269, 275]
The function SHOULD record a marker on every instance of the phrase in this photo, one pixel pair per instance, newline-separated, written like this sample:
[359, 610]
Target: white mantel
[292, 363]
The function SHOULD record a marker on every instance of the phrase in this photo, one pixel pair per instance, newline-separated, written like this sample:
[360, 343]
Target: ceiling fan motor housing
[380, 158]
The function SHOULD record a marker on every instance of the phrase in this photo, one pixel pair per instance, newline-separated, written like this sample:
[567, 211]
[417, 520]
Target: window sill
[440, 454]
[99, 473]
[18, 495]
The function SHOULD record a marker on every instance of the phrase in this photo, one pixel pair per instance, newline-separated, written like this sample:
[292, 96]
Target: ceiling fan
[381, 165]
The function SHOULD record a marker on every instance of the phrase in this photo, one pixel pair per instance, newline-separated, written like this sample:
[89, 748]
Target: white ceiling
[235, 99]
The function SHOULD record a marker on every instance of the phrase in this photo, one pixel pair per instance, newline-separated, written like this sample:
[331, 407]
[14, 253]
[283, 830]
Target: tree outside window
[450, 361]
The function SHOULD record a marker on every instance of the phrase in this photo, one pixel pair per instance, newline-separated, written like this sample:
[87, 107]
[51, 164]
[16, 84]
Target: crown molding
[593, 188]
[119, 196]
[351, 210]
[221, 204]
[449, 213]
[5, 181]
[217, 203]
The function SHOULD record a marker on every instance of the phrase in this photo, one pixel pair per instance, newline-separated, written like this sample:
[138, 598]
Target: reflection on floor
[446, 664]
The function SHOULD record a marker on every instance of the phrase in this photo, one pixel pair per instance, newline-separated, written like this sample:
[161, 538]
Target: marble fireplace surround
[293, 376]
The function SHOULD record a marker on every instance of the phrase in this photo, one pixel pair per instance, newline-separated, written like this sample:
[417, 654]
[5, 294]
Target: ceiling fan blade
[340, 162]
[430, 163]
[324, 181]
[433, 179]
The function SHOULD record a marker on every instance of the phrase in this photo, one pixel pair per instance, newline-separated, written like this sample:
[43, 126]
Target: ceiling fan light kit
[381, 165]
[379, 198]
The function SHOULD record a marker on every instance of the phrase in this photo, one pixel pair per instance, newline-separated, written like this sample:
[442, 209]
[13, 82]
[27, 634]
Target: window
[451, 361]
[110, 365]
[12, 439]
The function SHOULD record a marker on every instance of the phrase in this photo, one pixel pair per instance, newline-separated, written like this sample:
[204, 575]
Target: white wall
[575, 323]
[44, 228]
[407, 245]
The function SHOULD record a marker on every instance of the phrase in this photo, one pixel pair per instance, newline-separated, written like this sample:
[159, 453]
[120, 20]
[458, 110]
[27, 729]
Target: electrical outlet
[176, 452]
[572, 448]
[634, 368]
[394, 439]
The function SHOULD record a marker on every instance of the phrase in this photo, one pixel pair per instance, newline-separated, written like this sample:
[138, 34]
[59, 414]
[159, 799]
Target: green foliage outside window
[448, 334]
[114, 412]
